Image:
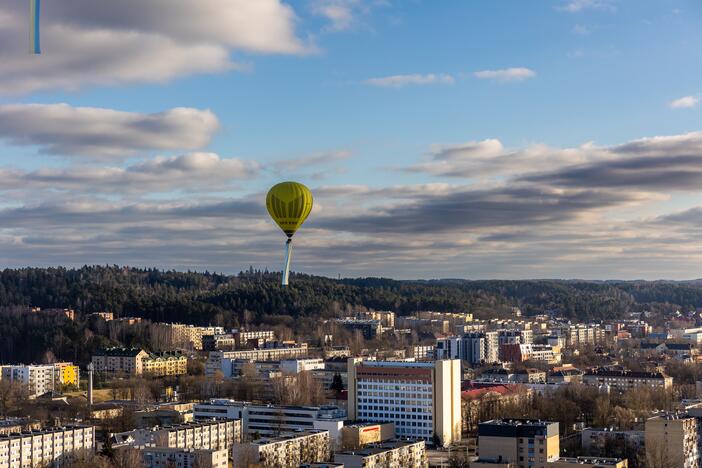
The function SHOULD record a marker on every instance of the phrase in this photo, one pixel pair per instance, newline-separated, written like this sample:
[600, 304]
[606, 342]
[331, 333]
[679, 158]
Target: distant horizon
[336, 278]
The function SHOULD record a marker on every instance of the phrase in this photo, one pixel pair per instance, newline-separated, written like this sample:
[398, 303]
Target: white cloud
[189, 172]
[686, 102]
[313, 160]
[98, 132]
[576, 6]
[506, 74]
[343, 14]
[97, 43]
[581, 30]
[399, 81]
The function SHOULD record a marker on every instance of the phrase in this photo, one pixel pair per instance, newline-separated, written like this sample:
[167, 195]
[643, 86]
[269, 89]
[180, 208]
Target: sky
[441, 138]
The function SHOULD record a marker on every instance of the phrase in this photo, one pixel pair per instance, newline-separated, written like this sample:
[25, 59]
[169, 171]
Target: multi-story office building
[386, 455]
[521, 442]
[422, 399]
[290, 450]
[208, 435]
[164, 457]
[37, 379]
[221, 361]
[48, 447]
[274, 419]
[472, 347]
[166, 363]
[623, 380]
[119, 361]
[673, 441]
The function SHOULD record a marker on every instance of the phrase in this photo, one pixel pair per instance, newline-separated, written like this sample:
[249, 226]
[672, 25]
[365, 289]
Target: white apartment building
[290, 450]
[39, 379]
[162, 457]
[422, 399]
[48, 447]
[207, 435]
[295, 366]
[268, 420]
[385, 455]
[223, 361]
[473, 347]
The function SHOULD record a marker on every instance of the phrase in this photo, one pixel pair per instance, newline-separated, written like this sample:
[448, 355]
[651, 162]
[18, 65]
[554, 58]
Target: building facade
[624, 380]
[48, 447]
[522, 442]
[422, 399]
[672, 441]
[285, 451]
[386, 455]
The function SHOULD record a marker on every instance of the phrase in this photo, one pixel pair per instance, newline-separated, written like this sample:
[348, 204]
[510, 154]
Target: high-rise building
[672, 440]
[422, 399]
[521, 442]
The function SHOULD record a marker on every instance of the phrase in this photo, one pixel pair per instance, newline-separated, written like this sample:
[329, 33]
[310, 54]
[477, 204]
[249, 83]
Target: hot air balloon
[289, 204]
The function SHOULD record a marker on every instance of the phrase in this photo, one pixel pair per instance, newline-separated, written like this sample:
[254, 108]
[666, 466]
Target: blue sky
[507, 125]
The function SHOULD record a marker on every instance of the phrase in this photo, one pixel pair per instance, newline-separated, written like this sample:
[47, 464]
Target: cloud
[576, 6]
[667, 163]
[507, 74]
[104, 133]
[581, 30]
[312, 160]
[484, 158]
[106, 43]
[343, 14]
[686, 102]
[190, 172]
[399, 81]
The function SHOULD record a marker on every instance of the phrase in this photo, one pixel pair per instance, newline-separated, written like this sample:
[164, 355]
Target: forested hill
[202, 298]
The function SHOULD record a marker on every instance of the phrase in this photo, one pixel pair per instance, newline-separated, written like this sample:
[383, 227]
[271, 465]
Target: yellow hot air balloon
[289, 204]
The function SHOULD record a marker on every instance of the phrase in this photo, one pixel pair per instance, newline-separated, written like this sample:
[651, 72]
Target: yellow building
[162, 364]
[672, 441]
[67, 374]
[520, 442]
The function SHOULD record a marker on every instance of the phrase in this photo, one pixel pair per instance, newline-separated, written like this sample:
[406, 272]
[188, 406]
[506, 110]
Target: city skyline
[554, 139]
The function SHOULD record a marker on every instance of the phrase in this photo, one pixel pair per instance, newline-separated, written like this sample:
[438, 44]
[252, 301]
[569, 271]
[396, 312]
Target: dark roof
[123, 352]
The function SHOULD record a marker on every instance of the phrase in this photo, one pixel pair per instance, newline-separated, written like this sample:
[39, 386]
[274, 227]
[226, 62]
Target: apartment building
[421, 352]
[207, 435]
[12, 425]
[504, 375]
[672, 440]
[289, 450]
[422, 399]
[624, 380]
[515, 336]
[224, 342]
[386, 455]
[588, 462]
[295, 366]
[355, 436]
[475, 347]
[222, 361]
[454, 318]
[596, 440]
[165, 363]
[368, 328]
[164, 457]
[425, 324]
[530, 352]
[38, 379]
[521, 442]
[48, 447]
[252, 338]
[385, 317]
[577, 336]
[119, 361]
[66, 373]
[273, 419]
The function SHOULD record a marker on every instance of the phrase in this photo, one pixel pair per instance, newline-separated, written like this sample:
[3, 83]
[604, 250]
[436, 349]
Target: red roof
[478, 389]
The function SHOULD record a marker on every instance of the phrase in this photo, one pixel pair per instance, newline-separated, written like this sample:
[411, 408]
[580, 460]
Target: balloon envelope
[289, 204]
